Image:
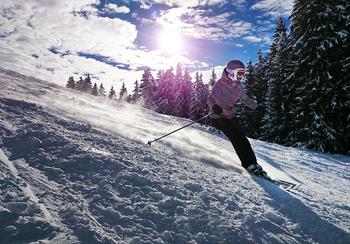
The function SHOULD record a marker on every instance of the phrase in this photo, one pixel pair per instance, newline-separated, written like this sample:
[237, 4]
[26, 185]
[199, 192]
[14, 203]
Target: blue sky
[115, 39]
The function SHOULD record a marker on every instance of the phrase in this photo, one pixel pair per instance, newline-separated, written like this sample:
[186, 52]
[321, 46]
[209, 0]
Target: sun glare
[170, 41]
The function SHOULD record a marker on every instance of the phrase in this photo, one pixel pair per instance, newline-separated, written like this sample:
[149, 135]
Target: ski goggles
[240, 73]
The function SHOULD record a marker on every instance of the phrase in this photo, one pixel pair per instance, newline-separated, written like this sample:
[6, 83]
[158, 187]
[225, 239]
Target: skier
[221, 100]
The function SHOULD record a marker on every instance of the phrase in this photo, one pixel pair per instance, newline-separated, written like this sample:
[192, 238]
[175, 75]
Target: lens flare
[170, 41]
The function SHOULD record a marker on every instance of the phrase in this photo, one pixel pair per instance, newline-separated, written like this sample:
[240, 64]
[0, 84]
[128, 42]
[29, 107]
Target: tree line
[170, 92]
[303, 83]
[174, 93]
[85, 85]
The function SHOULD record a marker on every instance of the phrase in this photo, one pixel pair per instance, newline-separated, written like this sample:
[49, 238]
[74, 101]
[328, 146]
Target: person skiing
[222, 100]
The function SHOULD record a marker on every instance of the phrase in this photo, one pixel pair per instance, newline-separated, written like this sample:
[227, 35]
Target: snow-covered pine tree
[276, 74]
[70, 83]
[186, 93]
[159, 92]
[198, 102]
[147, 89]
[280, 32]
[247, 116]
[94, 90]
[212, 79]
[182, 93]
[259, 90]
[286, 118]
[178, 109]
[101, 91]
[123, 94]
[111, 94]
[159, 83]
[136, 93]
[87, 84]
[164, 96]
[183, 87]
[79, 84]
[129, 99]
[321, 93]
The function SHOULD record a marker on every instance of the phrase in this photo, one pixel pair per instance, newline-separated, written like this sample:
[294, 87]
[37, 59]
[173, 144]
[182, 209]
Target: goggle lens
[240, 73]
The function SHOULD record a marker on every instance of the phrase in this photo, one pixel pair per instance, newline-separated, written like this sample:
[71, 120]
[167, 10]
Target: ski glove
[217, 109]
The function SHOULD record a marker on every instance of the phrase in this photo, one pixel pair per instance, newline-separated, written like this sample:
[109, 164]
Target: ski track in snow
[75, 169]
[25, 187]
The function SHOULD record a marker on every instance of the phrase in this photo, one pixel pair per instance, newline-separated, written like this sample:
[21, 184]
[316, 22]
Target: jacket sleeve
[251, 103]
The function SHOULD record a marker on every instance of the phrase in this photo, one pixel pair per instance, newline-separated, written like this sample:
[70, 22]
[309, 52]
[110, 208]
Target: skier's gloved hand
[217, 109]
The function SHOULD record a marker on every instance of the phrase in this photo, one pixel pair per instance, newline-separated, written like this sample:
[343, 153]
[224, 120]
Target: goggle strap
[230, 71]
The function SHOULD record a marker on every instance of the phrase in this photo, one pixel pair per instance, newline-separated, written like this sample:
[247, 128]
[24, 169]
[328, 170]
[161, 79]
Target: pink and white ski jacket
[225, 93]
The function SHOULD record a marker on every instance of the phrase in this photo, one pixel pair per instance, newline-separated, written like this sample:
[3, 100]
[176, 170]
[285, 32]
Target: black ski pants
[234, 132]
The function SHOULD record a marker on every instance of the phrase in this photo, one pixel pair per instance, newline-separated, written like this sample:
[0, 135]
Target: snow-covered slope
[76, 169]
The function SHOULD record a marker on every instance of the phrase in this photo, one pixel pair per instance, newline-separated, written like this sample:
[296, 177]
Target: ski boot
[257, 170]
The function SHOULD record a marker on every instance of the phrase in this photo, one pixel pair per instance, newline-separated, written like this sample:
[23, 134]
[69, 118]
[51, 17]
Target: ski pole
[205, 116]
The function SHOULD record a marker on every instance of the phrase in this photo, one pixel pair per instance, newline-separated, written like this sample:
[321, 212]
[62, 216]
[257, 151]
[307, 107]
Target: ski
[286, 185]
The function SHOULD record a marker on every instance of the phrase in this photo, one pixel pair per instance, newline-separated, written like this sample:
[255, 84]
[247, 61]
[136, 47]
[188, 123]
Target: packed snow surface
[76, 169]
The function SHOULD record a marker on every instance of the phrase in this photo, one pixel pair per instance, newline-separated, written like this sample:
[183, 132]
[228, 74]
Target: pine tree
[178, 75]
[87, 84]
[286, 118]
[164, 99]
[159, 92]
[136, 94]
[198, 102]
[112, 94]
[147, 89]
[129, 99]
[70, 83]
[183, 87]
[212, 79]
[277, 73]
[320, 79]
[79, 85]
[248, 117]
[94, 90]
[280, 33]
[123, 94]
[258, 92]
[186, 93]
[260, 60]
[101, 91]
[178, 89]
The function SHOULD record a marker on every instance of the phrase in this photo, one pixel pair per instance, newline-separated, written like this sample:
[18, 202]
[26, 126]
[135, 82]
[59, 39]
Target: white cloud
[145, 4]
[252, 38]
[188, 3]
[274, 8]
[54, 68]
[266, 39]
[113, 8]
[202, 24]
[29, 29]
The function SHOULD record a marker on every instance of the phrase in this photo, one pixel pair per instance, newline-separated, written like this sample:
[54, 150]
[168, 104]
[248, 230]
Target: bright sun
[170, 41]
